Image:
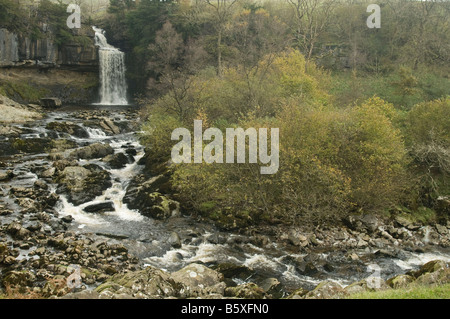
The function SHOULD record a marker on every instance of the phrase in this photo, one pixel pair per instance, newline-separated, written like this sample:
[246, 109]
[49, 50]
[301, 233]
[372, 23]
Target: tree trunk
[219, 53]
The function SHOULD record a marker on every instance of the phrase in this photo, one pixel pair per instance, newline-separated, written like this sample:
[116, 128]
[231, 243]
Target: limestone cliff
[31, 69]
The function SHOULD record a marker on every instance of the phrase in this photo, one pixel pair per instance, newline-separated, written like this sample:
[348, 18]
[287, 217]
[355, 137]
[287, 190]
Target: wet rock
[109, 127]
[69, 128]
[234, 271]
[116, 161]
[4, 252]
[442, 229]
[150, 203]
[48, 173]
[100, 208]
[67, 219]
[97, 150]
[296, 238]
[174, 240]
[82, 184]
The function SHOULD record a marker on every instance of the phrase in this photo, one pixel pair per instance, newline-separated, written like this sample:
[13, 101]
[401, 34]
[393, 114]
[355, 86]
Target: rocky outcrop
[13, 112]
[82, 184]
[23, 51]
[34, 69]
[145, 195]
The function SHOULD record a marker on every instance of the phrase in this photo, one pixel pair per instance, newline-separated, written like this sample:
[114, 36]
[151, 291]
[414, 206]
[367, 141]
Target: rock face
[145, 195]
[67, 72]
[19, 50]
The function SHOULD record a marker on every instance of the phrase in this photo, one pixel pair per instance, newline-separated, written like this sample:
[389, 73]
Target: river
[152, 241]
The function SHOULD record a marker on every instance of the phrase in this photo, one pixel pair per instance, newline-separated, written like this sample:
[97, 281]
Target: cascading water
[113, 87]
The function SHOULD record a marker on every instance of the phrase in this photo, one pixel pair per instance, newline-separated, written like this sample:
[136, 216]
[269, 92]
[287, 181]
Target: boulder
[326, 290]
[97, 150]
[6, 176]
[28, 145]
[109, 127]
[82, 184]
[151, 204]
[16, 230]
[147, 283]
[431, 266]
[362, 223]
[196, 277]
[271, 286]
[116, 161]
[51, 102]
[174, 240]
[245, 291]
[100, 207]
[400, 281]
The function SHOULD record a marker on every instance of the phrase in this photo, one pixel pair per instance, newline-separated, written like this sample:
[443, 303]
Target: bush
[428, 131]
[373, 156]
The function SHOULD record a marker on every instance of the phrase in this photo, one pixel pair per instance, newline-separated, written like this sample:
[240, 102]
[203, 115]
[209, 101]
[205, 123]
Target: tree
[222, 11]
[311, 18]
[172, 64]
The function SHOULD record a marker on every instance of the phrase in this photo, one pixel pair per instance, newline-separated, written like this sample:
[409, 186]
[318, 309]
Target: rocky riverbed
[81, 218]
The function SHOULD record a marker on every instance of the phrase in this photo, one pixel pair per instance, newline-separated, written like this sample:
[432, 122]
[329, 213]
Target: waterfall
[113, 87]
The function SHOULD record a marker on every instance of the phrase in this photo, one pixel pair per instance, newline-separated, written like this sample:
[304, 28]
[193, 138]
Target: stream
[152, 240]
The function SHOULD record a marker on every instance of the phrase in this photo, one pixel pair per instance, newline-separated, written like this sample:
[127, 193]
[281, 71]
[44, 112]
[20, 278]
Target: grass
[412, 292]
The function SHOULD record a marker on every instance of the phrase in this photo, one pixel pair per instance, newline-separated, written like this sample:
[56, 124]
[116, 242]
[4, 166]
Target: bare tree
[311, 19]
[223, 10]
[173, 62]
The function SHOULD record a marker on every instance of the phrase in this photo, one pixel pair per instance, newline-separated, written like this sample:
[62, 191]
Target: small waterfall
[113, 87]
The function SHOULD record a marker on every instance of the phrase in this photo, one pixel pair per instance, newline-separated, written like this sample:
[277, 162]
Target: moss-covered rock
[245, 291]
[326, 290]
[150, 282]
[400, 281]
[17, 278]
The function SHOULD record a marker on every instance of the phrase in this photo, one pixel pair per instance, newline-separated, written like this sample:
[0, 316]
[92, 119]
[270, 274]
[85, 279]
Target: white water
[113, 87]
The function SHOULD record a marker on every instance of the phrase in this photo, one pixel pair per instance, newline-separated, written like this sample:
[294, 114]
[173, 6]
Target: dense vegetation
[363, 113]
